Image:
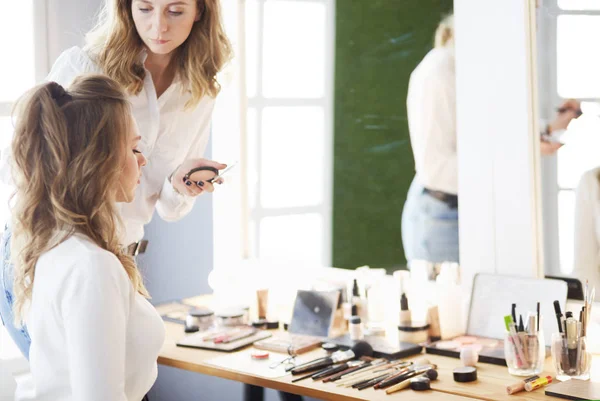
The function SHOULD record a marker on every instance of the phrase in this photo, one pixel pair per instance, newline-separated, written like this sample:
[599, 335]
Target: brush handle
[312, 366]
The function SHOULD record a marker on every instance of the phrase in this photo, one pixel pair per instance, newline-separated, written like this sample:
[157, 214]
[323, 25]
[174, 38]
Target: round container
[465, 374]
[413, 333]
[230, 318]
[202, 318]
[258, 354]
[266, 324]
[246, 310]
[330, 347]
[421, 383]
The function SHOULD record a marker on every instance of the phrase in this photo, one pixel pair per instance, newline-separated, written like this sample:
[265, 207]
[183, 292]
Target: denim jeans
[429, 227]
[19, 335]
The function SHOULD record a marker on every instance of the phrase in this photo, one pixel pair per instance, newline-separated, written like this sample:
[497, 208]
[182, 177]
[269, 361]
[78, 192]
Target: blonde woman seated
[587, 228]
[94, 336]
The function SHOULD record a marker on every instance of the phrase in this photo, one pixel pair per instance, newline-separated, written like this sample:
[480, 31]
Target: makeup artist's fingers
[208, 187]
[219, 181]
[192, 190]
[571, 104]
[562, 119]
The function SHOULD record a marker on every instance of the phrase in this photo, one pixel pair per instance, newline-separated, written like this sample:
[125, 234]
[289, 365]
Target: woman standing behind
[430, 215]
[94, 335]
[166, 55]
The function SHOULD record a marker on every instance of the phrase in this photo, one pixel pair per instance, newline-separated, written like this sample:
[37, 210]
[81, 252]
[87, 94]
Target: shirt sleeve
[586, 248]
[172, 206]
[70, 64]
[95, 308]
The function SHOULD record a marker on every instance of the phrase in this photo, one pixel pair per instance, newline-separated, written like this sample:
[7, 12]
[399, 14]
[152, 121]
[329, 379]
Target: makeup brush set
[355, 368]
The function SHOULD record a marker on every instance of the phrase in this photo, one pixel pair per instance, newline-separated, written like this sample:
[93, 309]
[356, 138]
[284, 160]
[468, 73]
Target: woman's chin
[162, 50]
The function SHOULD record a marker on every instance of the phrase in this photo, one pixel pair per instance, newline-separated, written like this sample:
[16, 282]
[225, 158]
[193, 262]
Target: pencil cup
[570, 357]
[524, 353]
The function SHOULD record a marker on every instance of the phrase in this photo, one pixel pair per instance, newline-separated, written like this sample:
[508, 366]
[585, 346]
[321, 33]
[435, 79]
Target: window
[22, 26]
[568, 69]
[290, 95]
[25, 50]
[288, 111]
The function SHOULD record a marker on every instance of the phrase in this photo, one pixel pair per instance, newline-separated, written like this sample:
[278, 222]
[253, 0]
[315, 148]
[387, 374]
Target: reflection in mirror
[568, 69]
[330, 158]
[430, 216]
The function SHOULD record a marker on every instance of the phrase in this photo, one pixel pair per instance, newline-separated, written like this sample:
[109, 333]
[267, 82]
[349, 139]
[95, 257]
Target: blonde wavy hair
[68, 151]
[115, 45]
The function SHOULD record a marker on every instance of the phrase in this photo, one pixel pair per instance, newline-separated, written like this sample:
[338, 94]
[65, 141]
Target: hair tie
[59, 94]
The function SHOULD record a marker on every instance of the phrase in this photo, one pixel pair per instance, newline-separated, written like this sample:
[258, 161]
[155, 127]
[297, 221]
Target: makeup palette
[490, 350]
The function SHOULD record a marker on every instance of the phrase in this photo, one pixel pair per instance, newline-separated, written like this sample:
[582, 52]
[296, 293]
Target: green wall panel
[378, 44]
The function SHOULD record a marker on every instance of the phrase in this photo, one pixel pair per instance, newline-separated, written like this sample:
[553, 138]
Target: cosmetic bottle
[357, 301]
[355, 328]
[405, 315]
[449, 301]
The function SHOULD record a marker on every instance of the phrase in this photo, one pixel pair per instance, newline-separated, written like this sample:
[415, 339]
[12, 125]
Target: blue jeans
[19, 335]
[429, 227]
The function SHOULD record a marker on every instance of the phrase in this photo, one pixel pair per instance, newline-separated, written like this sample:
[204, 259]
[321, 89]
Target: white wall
[68, 21]
[498, 153]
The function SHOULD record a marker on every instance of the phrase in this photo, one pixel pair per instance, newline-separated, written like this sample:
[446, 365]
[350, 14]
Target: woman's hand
[567, 111]
[549, 148]
[201, 177]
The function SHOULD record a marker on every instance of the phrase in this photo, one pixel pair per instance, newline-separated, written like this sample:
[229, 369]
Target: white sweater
[93, 337]
[587, 229]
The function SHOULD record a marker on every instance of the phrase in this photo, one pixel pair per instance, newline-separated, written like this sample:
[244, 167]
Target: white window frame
[221, 140]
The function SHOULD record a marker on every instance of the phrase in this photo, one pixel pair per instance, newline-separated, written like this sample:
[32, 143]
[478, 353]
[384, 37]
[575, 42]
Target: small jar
[230, 318]
[202, 318]
[525, 353]
[415, 333]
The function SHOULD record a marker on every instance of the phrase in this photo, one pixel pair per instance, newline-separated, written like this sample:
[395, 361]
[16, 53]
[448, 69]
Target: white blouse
[169, 133]
[587, 228]
[431, 112]
[93, 337]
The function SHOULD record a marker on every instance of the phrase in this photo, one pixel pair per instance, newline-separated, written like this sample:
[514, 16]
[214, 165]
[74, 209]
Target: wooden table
[491, 383]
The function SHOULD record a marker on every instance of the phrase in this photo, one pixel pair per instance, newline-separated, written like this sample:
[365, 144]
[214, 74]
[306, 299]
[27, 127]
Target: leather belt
[136, 248]
[449, 199]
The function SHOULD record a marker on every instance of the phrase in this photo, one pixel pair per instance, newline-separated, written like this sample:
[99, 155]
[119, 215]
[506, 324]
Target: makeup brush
[359, 350]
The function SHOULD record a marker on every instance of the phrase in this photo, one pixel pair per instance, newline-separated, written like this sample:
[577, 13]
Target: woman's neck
[159, 66]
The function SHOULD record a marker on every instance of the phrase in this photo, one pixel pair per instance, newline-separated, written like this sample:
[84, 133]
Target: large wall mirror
[568, 66]
[330, 161]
